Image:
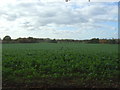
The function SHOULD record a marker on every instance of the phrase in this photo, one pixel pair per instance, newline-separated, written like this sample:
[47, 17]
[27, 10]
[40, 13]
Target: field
[60, 65]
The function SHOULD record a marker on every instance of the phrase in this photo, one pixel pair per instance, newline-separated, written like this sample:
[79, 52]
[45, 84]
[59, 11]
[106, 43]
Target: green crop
[81, 63]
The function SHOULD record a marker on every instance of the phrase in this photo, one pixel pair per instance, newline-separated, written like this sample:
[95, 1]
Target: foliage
[94, 40]
[7, 38]
[85, 63]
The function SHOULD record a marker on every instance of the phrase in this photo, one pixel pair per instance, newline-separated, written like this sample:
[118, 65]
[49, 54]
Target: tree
[27, 40]
[48, 40]
[7, 38]
[112, 41]
[0, 40]
[53, 41]
[94, 40]
[103, 41]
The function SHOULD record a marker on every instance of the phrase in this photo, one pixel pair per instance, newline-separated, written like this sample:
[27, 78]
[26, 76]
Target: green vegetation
[61, 65]
[7, 39]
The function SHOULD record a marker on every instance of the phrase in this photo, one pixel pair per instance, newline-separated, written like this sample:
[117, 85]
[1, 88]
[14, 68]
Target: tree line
[8, 39]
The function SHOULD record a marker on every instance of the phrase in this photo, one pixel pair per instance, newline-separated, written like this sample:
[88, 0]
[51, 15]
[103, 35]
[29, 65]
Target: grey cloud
[12, 17]
[53, 14]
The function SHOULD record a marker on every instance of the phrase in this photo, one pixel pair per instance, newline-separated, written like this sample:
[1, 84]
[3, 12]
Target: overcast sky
[76, 19]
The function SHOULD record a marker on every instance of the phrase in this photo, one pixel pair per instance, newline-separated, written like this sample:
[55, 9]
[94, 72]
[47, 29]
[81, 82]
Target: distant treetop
[7, 38]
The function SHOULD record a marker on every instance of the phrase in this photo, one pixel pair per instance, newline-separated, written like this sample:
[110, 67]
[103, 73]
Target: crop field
[60, 65]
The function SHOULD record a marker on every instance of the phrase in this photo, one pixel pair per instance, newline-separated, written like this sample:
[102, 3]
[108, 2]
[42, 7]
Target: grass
[60, 65]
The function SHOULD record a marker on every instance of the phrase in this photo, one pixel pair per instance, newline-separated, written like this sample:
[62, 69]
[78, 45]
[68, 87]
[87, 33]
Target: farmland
[60, 65]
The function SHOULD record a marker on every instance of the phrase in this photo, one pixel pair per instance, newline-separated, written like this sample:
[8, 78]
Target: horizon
[59, 38]
[59, 20]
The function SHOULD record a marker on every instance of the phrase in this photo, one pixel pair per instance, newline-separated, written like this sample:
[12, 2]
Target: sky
[76, 19]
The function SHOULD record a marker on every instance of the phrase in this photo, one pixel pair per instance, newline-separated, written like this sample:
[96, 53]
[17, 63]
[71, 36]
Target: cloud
[45, 19]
